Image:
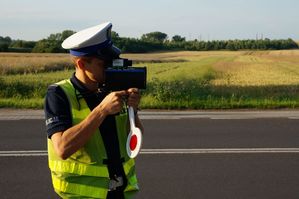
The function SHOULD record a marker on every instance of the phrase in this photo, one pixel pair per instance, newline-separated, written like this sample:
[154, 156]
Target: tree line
[149, 42]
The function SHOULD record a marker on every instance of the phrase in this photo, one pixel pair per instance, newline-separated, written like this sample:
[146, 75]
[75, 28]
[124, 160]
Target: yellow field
[14, 63]
[260, 69]
[240, 68]
[193, 80]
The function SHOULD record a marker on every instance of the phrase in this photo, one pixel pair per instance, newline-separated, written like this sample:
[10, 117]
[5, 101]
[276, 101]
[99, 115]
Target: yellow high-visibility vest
[83, 174]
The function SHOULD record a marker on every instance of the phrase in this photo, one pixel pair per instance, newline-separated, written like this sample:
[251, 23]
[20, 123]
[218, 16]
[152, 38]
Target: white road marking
[23, 153]
[220, 150]
[170, 115]
[171, 151]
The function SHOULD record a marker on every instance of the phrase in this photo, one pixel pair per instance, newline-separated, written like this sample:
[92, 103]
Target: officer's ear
[81, 62]
[76, 61]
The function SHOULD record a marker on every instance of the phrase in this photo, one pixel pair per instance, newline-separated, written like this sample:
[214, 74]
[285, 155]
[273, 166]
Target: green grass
[181, 80]
[149, 102]
[22, 103]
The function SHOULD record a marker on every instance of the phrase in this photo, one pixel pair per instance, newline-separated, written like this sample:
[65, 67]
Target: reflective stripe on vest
[78, 168]
[84, 173]
[78, 189]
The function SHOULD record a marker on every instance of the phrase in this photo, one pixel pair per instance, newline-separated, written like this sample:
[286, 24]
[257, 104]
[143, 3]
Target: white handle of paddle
[131, 117]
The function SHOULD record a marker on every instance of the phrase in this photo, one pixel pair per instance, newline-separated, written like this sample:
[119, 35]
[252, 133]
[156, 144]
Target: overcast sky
[193, 19]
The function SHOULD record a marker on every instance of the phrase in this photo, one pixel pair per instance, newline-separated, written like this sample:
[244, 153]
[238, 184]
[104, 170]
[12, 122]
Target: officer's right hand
[113, 103]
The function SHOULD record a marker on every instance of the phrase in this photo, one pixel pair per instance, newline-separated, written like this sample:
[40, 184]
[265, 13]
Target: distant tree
[178, 38]
[53, 43]
[46, 46]
[5, 40]
[17, 44]
[114, 35]
[3, 47]
[230, 45]
[66, 33]
[159, 37]
[22, 44]
[117, 40]
[208, 45]
[4, 43]
[150, 42]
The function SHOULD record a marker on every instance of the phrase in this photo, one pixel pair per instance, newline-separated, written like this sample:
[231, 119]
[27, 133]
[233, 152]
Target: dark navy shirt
[58, 118]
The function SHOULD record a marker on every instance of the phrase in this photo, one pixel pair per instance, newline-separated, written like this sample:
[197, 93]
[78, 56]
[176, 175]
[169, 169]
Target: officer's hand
[113, 103]
[133, 98]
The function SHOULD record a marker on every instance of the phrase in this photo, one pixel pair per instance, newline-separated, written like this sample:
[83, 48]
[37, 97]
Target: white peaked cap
[95, 41]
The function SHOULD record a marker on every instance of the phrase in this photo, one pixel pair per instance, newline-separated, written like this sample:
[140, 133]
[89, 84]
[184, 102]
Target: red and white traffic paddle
[134, 140]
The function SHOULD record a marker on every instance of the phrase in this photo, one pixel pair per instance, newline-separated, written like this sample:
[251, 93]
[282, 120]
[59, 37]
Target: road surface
[241, 154]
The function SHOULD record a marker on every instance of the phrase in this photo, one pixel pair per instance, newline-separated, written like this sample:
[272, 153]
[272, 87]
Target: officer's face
[95, 70]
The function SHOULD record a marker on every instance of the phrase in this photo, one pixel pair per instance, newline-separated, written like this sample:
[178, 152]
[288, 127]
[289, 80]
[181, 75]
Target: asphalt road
[206, 155]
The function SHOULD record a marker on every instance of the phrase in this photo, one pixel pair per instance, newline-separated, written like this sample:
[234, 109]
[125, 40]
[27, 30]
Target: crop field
[176, 80]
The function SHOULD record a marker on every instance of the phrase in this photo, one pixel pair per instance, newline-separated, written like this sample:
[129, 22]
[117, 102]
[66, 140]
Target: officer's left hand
[133, 98]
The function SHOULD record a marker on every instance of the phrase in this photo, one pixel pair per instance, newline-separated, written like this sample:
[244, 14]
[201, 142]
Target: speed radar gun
[120, 75]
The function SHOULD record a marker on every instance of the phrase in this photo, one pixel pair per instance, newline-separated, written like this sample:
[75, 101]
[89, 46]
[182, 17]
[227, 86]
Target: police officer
[87, 126]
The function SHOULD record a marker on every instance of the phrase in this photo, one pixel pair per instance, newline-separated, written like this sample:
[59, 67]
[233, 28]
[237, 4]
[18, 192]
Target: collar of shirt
[82, 89]
[79, 85]
[92, 98]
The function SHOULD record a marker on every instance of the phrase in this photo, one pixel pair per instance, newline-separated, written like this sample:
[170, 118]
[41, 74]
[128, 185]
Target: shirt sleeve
[57, 111]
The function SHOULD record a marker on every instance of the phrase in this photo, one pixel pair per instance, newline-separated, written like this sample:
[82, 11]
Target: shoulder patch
[52, 120]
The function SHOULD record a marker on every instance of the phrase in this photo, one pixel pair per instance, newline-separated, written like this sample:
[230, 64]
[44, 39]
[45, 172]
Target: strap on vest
[107, 161]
